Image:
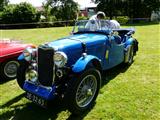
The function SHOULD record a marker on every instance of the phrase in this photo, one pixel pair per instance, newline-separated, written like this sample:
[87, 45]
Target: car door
[114, 52]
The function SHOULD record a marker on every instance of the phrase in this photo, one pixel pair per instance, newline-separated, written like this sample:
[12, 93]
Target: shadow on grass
[3, 81]
[31, 111]
[14, 100]
[110, 74]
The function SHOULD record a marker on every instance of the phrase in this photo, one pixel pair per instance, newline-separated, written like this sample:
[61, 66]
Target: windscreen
[92, 25]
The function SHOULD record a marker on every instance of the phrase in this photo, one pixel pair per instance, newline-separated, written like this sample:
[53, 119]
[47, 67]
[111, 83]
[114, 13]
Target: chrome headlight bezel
[31, 75]
[29, 53]
[60, 59]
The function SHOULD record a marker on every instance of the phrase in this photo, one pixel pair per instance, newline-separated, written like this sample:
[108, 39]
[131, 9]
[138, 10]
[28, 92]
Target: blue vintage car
[70, 68]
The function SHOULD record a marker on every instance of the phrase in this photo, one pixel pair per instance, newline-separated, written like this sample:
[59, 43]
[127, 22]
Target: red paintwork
[11, 50]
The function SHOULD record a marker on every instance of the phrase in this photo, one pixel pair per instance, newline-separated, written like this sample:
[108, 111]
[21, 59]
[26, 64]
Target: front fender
[130, 41]
[21, 57]
[82, 62]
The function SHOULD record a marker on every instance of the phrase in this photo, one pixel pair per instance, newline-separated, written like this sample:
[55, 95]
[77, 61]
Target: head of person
[100, 15]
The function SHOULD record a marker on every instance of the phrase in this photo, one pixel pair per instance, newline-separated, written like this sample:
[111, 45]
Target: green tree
[131, 8]
[8, 14]
[3, 3]
[151, 5]
[62, 9]
[47, 10]
[110, 7]
[134, 8]
[21, 13]
[141, 8]
[25, 13]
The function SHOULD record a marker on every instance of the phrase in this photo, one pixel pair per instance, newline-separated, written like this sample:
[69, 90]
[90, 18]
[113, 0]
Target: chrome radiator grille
[45, 65]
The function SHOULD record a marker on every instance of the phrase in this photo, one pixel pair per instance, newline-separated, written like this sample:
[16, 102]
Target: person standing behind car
[113, 24]
[94, 22]
[99, 16]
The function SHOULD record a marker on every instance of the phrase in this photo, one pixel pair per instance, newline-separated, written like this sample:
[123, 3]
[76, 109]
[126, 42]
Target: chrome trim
[7, 66]
[62, 62]
[86, 91]
[54, 76]
[59, 73]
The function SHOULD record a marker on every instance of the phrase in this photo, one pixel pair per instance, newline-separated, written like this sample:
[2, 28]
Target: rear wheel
[131, 55]
[8, 70]
[83, 90]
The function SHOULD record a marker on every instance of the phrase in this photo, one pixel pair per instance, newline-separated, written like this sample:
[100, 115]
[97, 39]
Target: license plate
[36, 99]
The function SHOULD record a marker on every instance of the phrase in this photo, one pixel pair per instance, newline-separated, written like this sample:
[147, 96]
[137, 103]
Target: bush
[21, 13]
[122, 19]
[0, 17]
[7, 14]
[83, 18]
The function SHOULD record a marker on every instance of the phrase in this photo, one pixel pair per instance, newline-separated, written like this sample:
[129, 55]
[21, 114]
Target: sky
[38, 3]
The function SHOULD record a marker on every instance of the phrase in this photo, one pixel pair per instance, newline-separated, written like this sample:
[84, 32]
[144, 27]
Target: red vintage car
[9, 51]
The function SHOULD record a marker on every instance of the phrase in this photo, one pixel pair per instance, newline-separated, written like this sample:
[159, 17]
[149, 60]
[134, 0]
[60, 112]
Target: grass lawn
[128, 93]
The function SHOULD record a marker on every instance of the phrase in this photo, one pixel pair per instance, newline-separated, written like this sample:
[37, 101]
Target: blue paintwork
[40, 91]
[115, 56]
[97, 45]
[129, 41]
[81, 64]
[21, 57]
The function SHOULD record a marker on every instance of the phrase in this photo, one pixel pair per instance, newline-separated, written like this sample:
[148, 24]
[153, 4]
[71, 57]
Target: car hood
[11, 48]
[75, 41]
[73, 45]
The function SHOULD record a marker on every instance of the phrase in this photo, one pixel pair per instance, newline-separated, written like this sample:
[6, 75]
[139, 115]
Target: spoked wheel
[86, 90]
[83, 90]
[9, 69]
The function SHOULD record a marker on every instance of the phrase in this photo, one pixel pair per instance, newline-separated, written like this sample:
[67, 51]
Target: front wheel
[83, 90]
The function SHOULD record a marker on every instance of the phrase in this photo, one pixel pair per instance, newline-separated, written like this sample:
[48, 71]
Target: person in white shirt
[99, 16]
[94, 22]
[113, 24]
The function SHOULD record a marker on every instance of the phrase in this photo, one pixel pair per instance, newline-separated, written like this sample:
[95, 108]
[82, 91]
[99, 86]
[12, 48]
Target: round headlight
[31, 75]
[60, 59]
[28, 53]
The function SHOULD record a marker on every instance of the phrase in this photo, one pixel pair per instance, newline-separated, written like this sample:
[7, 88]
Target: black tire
[135, 44]
[8, 70]
[75, 88]
[21, 73]
[131, 55]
